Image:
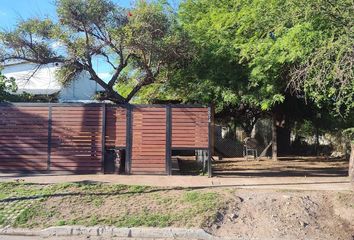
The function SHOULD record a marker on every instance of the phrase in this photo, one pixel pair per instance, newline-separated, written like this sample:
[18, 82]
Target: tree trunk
[283, 140]
[317, 140]
[274, 139]
[351, 163]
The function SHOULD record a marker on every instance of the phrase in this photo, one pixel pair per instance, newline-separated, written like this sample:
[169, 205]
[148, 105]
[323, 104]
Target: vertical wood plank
[129, 136]
[49, 136]
[168, 140]
[103, 135]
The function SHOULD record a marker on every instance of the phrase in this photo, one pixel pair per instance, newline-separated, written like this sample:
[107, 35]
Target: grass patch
[138, 189]
[203, 200]
[146, 220]
[98, 202]
[93, 220]
[61, 223]
[112, 204]
[25, 216]
[19, 190]
[22, 190]
[67, 222]
[2, 219]
[203, 204]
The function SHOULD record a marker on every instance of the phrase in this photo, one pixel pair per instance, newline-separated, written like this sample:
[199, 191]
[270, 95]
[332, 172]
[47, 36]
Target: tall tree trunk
[317, 140]
[283, 139]
[351, 163]
[274, 139]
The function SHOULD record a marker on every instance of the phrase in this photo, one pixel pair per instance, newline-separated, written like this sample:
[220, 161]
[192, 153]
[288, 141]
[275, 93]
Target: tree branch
[107, 60]
[146, 81]
[118, 98]
[122, 65]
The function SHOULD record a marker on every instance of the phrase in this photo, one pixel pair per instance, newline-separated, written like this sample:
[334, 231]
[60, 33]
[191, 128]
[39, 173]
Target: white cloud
[104, 75]
[56, 45]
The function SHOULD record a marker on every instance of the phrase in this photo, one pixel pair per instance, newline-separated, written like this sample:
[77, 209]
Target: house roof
[33, 80]
[13, 62]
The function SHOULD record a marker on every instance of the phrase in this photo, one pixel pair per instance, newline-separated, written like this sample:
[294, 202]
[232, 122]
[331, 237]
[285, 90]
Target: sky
[11, 11]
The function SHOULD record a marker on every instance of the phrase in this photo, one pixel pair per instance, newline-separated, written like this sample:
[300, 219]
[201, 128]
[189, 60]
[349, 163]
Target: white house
[43, 82]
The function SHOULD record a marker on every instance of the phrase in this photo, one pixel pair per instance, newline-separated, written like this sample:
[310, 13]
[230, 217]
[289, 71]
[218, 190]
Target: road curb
[104, 231]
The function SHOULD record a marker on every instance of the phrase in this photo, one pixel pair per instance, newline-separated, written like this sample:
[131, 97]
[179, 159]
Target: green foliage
[7, 85]
[306, 128]
[148, 94]
[34, 32]
[349, 132]
[252, 52]
[329, 75]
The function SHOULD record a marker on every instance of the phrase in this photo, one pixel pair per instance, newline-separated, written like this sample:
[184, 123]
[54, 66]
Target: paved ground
[2, 237]
[294, 183]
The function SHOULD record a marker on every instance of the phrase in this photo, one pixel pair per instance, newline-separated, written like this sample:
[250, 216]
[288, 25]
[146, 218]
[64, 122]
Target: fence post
[210, 136]
[128, 147]
[168, 140]
[103, 140]
[49, 147]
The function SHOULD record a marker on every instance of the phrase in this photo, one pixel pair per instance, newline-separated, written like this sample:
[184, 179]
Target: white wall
[44, 82]
[80, 89]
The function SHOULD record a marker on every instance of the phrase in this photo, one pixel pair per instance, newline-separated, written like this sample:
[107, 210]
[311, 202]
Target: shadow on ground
[284, 167]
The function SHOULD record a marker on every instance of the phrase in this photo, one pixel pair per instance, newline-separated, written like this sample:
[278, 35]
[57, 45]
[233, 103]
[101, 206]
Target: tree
[326, 75]
[6, 86]
[144, 39]
[282, 49]
[349, 132]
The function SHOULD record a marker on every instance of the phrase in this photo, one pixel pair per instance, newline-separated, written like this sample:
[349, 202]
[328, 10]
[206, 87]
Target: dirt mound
[286, 215]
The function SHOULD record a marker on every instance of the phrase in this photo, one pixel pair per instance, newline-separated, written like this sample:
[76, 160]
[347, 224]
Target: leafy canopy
[143, 38]
[258, 52]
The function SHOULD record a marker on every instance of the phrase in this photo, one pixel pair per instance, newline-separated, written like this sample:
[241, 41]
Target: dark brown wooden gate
[74, 137]
[149, 140]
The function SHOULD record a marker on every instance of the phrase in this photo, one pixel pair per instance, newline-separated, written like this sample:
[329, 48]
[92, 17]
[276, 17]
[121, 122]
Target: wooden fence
[74, 137]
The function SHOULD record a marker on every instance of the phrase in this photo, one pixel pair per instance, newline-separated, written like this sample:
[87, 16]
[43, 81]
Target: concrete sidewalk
[106, 233]
[291, 183]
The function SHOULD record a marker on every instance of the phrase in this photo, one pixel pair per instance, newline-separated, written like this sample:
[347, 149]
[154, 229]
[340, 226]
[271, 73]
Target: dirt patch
[284, 167]
[289, 215]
